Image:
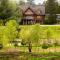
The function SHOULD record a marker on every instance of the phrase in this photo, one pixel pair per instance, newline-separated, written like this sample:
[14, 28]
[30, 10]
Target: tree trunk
[30, 47]
[29, 50]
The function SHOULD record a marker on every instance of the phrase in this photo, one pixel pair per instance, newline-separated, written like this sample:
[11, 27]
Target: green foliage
[45, 46]
[3, 37]
[23, 42]
[9, 10]
[56, 43]
[17, 12]
[58, 10]
[8, 33]
[32, 33]
[25, 33]
[37, 33]
[49, 34]
[51, 11]
[5, 11]
[21, 2]
[12, 29]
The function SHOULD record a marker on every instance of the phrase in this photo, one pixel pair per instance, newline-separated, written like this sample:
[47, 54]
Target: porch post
[23, 22]
[34, 21]
[26, 21]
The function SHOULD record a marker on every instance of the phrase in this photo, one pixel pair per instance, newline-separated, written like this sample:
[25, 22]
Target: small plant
[45, 46]
[23, 42]
[56, 43]
[16, 44]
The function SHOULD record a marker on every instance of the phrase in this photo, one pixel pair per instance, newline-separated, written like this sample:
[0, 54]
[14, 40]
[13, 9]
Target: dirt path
[15, 54]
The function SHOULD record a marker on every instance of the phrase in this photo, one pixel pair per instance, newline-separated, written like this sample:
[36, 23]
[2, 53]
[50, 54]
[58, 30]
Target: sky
[39, 1]
[36, 1]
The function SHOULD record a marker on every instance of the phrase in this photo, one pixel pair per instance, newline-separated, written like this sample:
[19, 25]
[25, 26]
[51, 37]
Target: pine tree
[51, 9]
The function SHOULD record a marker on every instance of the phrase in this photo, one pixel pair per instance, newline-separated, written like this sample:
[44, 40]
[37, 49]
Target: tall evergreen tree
[51, 10]
[58, 11]
[5, 11]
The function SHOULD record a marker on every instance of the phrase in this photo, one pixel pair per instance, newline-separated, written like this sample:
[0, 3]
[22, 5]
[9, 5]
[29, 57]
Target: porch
[30, 21]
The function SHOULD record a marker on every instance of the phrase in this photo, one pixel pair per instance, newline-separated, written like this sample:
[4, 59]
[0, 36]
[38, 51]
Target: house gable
[29, 11]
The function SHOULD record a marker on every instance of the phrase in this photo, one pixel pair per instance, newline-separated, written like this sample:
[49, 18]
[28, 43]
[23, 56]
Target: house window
[39, 17]
[29, 17]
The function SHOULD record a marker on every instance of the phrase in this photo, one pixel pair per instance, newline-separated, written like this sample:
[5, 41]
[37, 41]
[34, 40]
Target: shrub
[12, 26]
[44, 46]
[56, 43]
[23, 42]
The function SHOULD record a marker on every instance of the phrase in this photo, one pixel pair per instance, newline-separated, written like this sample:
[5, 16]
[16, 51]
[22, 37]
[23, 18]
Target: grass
[38, 49]
[33, 56]
[46, 58]
[35, 49]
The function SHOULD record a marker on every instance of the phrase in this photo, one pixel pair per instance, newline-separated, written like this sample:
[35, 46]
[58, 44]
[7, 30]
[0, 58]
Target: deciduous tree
[5, 11]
